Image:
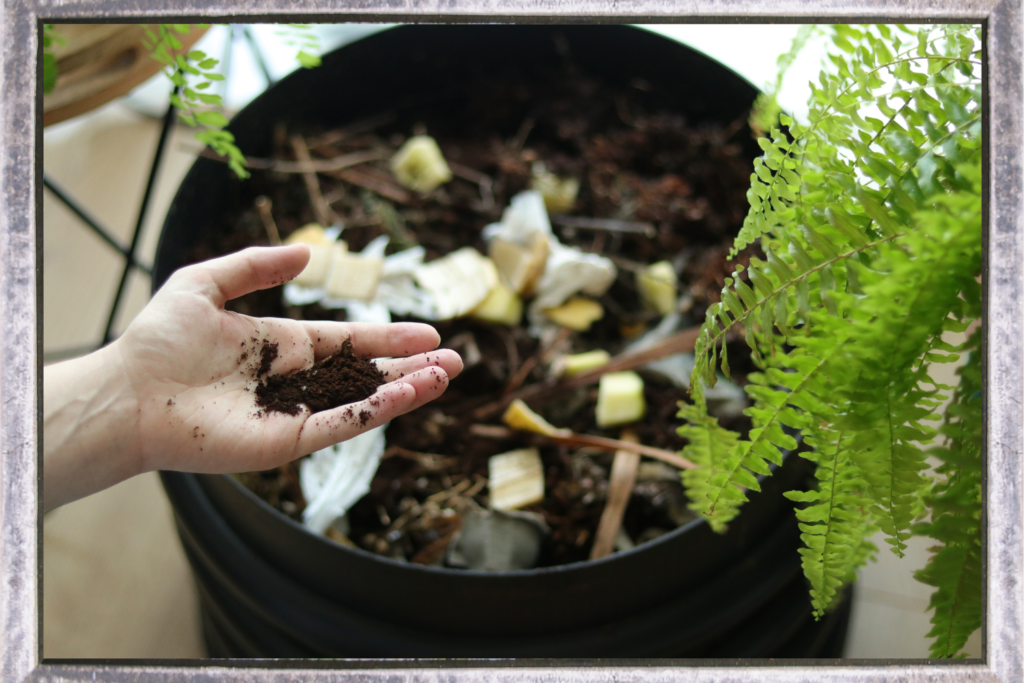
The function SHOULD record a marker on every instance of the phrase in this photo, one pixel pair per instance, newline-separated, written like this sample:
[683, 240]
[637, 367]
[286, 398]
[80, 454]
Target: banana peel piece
[321, 250]
[515, 479]
[620, 399]
[311, 234]
[419, 165]
[353, 276]
[502, 306]
[657, 284]
[569, 365]
[458, 282]
[578, 313]
[521, 266]
[519, 416]
[559, 193]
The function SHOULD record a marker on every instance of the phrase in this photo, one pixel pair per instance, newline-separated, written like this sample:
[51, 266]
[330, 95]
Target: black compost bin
[270, 588]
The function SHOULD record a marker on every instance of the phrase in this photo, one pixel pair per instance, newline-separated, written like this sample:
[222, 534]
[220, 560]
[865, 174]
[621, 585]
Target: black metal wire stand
[129, 252]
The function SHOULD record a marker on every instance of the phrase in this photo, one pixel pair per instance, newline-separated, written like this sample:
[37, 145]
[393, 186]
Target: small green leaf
[211, 118]
[307, 60]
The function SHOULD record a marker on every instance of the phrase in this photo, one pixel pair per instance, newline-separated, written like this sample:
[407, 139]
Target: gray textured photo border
[20, 367]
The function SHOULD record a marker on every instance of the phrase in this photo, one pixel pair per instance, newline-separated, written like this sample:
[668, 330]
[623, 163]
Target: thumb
[235, 275]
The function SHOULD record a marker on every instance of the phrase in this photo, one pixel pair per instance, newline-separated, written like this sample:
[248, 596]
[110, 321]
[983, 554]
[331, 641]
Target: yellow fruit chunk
[521, 266]
[311, 234]
[353, 276]
[620, 399]
[567, 366]
[502, 306]
[559, 193]
[515, 479]
[314, 275]
[519, 416]
[419, 164]
[657, 285]
[578, 313]
[458, 282]
[321, 250]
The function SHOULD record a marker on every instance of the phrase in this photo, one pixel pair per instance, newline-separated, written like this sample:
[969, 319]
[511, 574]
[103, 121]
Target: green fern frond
[870, 220]
[709, 446]
[834, 523]
[956, 568]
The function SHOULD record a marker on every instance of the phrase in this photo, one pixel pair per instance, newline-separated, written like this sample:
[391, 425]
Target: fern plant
[869, 219]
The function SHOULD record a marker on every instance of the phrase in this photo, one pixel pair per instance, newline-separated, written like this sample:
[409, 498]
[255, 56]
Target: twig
[315, 165]
[432, 501]
[544, 355]
[323, 211]
[677, 343]
[384, 189]
[429, 461]
[604, 443]
[628, 264]
[490, 431]
[516, 144]
[510, 348]
[263, 205]
[352, 129]
[521, 374]
[570, 438]
[620, 488]
[481, 179]
[605, 224]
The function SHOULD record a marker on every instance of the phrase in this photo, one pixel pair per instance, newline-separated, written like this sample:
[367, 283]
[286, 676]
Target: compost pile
[650, 187]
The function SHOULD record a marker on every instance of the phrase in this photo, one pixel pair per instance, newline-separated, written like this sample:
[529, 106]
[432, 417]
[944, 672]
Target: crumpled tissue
[334, 478]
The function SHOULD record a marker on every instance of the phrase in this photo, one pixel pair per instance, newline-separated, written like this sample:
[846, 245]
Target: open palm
[192, 368]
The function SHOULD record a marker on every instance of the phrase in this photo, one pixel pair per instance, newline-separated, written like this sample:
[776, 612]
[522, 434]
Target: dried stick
[352, 129]
[314, 165]
[521, 374]
[263, 205]
[620, 488]
[429, 461]
[605, 224]
[481, 179]
[515, 145]
[354, 177]
[604, 443]
[323, 210]
[570, 438]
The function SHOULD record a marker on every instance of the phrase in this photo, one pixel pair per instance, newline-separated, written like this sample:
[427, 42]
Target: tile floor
[115, 581]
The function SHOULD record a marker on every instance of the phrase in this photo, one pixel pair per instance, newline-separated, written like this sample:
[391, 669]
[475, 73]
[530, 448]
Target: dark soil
[268, 352]
[335, 381]
[636, 162]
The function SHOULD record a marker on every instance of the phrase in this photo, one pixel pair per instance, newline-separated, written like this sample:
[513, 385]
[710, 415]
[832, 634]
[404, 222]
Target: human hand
[186, 398]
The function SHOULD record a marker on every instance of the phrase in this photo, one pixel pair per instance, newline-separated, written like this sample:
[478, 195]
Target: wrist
[90, 419]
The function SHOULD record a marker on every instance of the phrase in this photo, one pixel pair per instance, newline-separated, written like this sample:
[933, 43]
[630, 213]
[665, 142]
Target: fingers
[396, 369]
[372, 340]
[391, 400]
[235, 275]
